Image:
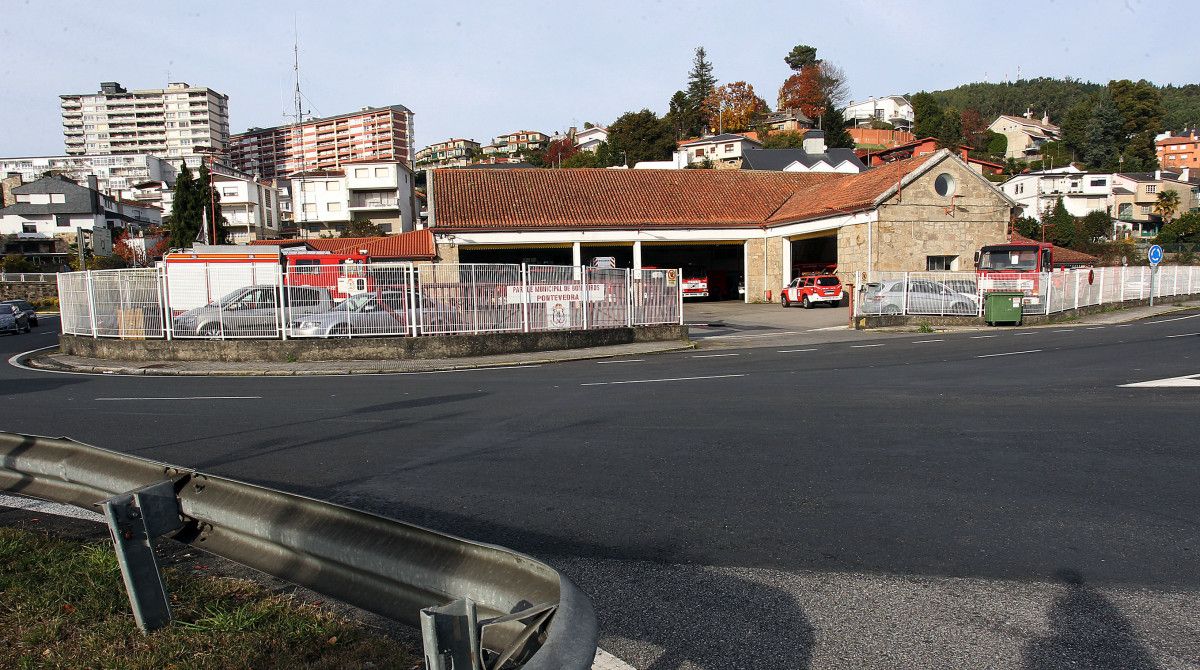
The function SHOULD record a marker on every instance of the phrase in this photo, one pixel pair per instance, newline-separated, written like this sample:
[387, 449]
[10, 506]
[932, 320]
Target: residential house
[723, 149]
[891, 109]
[926, 147]
[325, 201]
[1179, 151]
[451, 153]
[736, 225]
[1135, 195]
[1025, 134]
[117, 175]
[814, 157]
[514, 142]
[788, 119]
[1081, 192]
[590, 139]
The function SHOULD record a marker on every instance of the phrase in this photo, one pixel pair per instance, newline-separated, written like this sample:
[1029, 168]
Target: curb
[44, 361]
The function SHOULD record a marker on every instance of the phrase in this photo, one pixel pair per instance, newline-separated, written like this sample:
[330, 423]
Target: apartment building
[116, 175]
[1179, 151]
[177, 122]
[1081, 192]
[371, 134]
[325, 201]
[1135, 195]
[515, 141]
[451, 153]
[893, 109]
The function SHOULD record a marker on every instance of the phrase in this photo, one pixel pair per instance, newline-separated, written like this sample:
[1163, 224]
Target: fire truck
[1016, 266]
[695, 282]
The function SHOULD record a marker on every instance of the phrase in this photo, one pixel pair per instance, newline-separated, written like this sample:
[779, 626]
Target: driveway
[730, 316]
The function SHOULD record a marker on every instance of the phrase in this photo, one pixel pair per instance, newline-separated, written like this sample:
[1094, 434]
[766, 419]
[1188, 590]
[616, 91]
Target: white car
[924, 297]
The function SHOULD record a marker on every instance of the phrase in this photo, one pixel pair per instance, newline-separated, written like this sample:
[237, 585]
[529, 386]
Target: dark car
[13, 320]
[27, 309]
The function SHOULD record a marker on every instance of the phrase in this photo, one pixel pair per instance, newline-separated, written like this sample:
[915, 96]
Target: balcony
[363, 201]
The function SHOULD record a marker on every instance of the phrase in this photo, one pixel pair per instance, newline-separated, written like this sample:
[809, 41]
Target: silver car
[924, 296]
[250, 311]
[382, 312]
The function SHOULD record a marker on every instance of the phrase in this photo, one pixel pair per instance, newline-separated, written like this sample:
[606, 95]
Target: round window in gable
[944, 184]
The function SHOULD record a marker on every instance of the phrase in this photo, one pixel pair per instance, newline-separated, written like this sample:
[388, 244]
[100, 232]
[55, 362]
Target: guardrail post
[450, 636]
[134, 520]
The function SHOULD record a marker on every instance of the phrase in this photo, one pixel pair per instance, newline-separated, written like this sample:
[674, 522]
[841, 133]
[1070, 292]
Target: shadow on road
[1087, 631]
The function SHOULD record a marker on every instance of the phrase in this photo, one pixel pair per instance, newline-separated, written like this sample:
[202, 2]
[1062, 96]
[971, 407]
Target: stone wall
[362, 349]
[27, 290]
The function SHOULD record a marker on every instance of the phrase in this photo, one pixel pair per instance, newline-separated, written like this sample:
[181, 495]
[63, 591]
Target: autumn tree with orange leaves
[738, 107]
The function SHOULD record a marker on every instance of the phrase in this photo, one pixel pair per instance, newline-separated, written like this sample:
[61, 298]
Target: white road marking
[1184, 335]
[1010, 353]
[1094, 328]
[925, 341]
[1169, 382]
[1178, 318]
[1123, 325]
[981, 337]
[1068, 330]
[668, 379]
[1028, 332]
[864, 346]
[753, 335]
[194, 397]
[793, 351]
[818, 330]
[714, 355]
[625, 360]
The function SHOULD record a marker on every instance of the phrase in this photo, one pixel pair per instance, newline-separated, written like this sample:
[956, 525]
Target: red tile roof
[851, 193]
[413, 245]
[466, 199]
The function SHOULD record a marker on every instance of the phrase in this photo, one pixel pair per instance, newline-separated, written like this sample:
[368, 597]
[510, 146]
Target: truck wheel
[784, 301]
[806, 303]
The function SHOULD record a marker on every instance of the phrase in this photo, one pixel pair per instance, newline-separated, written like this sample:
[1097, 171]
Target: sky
[481, 69]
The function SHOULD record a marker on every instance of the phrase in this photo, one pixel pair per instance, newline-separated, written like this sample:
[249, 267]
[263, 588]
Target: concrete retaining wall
[362, 348]
[882, 321]
[31, 291]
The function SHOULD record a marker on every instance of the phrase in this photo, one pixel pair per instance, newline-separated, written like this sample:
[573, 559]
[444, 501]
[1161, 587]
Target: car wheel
[961, 309]
[210, 330]
[33, 323]
[806, 303]
[892, 310]
[339, 330]
[783, 300]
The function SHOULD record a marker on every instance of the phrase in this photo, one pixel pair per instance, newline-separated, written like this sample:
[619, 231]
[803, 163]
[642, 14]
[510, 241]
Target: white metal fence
[963, 293]
[263, 300]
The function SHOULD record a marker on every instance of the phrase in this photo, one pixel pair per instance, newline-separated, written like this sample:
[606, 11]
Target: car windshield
[827, 281]
[1008, 259]
[230, 298]
[354, 303]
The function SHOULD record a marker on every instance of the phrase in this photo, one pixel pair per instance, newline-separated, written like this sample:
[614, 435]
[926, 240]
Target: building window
[361, 173]
[331, 186]
[333, 207]
[29, 227]
[229, 191]
[941, 263]
[58, 198]
[381, 172]
[1152, 188]
[728, 148]
[62, 221]
[1145, 209]
[699, 153]
[308, 186]
[310, 208]
[1125, 210]
[944, 185]
[1098, 182]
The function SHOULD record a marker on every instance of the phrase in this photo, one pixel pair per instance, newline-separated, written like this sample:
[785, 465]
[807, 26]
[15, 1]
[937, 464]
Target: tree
[361, 226]
[1103, 135]
[1141, 108]
[640, 136]
[1059, 225]
[559, 151]
[975, 133]
[17, 263]
[1167, 204]
[950, 132]
[928, 115]
[803, 91]
[185, 210]
[801, 56]
[834, 126]
[1095, 226]
[1028, 227]
[785, 139]
[701, 83]
[737, 106]
[995, 144]
[1185, 229]
[681, 118]
[210, 204]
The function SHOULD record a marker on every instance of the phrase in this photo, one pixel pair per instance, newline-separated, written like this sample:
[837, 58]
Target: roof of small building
[413, 245]
[590, 198]
[778, 159]
[724, 137]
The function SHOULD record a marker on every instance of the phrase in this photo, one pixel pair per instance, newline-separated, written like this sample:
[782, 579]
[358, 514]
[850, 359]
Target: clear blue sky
[478, 69]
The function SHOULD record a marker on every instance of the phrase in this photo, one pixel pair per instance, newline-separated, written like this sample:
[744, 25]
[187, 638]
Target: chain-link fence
[964, 293]
[263, 300]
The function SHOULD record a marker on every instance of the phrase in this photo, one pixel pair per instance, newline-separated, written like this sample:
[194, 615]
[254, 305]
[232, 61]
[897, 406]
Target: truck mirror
[976, 259]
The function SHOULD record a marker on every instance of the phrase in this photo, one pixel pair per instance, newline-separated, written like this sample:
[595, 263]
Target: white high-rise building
[179, 123]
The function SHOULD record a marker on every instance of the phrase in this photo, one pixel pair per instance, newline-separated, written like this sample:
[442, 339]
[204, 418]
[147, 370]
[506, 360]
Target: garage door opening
[814, 254]
[719, 265]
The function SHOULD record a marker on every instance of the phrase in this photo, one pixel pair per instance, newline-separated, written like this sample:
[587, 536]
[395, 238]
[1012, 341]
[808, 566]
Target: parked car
[382, 312]
[12, 319]
[251, 310]
[923, 297]
[809, 290]
[26, 308]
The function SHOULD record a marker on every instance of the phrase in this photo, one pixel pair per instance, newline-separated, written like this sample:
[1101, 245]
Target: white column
[786, 259]
[637, 255]
[576, 254]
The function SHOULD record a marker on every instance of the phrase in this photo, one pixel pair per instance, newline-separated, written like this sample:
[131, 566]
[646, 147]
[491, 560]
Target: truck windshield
[1008, 259]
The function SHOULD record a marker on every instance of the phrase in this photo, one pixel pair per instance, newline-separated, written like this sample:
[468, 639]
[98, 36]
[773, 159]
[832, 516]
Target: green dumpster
[1003, 307]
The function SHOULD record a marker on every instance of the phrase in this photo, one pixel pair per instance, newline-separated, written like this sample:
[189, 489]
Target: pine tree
[701, 83]
[833, 124]
[1103, 136]
[185, 216]
[208, 208]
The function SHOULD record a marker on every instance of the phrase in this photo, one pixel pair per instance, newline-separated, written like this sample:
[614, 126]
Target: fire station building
[757, 227]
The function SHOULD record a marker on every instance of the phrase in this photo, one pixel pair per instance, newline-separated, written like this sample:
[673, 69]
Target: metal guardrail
[528, 615]
[29, 277]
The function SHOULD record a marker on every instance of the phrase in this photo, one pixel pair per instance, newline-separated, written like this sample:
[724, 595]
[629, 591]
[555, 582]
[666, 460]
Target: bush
[46, 303]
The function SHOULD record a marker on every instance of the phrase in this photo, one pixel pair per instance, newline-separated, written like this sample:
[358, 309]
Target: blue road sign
[1155, 255]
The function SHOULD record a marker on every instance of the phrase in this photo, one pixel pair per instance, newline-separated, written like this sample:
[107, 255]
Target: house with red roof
[737, 226]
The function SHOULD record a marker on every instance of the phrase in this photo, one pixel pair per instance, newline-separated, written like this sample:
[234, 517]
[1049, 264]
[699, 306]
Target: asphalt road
[993, 499]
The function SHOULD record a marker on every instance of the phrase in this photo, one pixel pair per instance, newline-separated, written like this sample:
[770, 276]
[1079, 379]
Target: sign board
[102, 243]
[555, 293]
[672, 277]
[1155, 255]
[558, 314]
[352, 285]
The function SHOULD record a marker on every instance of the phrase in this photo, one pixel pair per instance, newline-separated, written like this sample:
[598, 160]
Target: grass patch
[63, 605]
[924, 327]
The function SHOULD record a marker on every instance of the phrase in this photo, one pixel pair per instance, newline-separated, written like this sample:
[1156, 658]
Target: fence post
[281, 304]
[583, 271]
[1142, 284]
[524, 297]
[168, 317]
[1123, 269]
[679, 292]
[474, 300]
[1076, 273]
[91, 298]
[628, 298]
[904, 299]
[414, 309]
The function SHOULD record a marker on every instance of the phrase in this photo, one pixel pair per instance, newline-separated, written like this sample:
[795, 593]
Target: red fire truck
[1016, 266]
